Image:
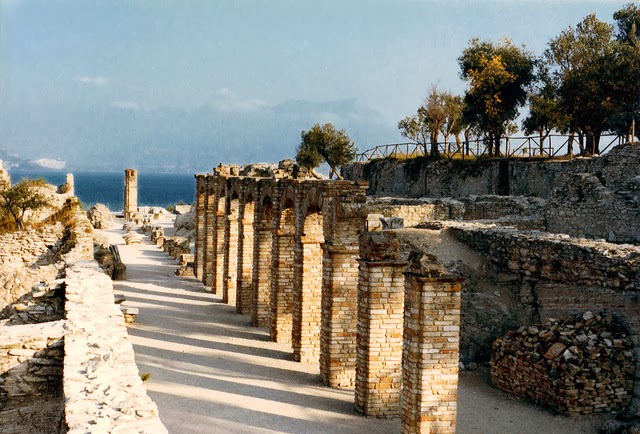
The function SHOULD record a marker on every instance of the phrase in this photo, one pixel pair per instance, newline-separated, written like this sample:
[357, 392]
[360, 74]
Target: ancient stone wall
[101, 384]
[26, 258]
[597, 198]
[515, 210]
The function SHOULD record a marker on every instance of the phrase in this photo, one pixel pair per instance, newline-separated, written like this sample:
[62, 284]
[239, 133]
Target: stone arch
[262, 246]
[313, 201]
[307, 303]
[244, 271]
[282, 268]
[231, 221]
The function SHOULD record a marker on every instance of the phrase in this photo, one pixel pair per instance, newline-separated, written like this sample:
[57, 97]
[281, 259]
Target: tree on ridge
[498, 75]
[324, 143]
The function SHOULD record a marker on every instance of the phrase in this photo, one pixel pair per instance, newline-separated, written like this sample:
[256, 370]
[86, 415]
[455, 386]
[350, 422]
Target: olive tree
[324, 143]
[22, 197]
[498, 76]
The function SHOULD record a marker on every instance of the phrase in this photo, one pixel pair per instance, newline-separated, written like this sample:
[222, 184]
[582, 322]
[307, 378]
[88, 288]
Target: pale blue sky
[188, 84]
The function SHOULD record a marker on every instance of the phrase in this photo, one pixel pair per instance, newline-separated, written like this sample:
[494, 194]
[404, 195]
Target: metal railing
[554, 145]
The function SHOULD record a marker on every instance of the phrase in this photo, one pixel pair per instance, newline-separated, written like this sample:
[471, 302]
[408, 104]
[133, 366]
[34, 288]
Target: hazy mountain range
[126, 134]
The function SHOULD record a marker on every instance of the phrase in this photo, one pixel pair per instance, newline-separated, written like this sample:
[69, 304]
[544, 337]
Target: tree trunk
[570, 144]
[540, 133]
[496, 148]
[434, 146]
[583, 151]
[459, 145]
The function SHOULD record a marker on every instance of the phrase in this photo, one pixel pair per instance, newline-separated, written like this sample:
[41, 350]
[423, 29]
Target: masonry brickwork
[302, 272]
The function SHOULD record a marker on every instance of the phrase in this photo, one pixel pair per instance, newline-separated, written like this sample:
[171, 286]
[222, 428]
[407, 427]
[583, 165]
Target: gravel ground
[212, 372]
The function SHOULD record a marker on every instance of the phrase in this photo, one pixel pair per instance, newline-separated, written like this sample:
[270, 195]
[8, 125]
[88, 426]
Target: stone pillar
[339, 297]
[380, 325]
[245, 256]
[431, 347]
[130, 193]
[219, 247]
[69, 182]
[230, 265]
[261, 278]
[199, 244]
[209, 235]
[307, 291]
[282, 270]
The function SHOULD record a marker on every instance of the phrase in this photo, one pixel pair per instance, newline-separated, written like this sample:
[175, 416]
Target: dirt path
[212, 372]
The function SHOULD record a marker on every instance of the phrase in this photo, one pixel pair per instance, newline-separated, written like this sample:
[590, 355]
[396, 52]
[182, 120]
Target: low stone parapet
[102, 386]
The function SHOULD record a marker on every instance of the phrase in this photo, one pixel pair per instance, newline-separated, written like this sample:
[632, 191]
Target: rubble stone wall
[101, 384]
[26, 258]
[31, 360]
[597, 198]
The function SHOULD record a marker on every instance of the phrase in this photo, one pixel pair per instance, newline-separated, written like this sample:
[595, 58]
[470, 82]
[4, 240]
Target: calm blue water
[108, 188]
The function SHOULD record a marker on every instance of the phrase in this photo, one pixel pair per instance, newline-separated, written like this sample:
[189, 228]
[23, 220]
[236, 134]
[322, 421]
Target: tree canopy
[441, 113]
[20, 198]
[324, 143]
[498, 75]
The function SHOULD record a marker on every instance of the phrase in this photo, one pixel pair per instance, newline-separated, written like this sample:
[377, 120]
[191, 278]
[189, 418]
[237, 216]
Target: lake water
[154, 189]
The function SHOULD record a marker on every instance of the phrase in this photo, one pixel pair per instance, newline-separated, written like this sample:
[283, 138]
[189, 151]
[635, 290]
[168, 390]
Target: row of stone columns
[287, 252]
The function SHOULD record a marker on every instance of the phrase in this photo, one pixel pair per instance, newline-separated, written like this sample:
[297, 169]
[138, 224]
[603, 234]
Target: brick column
[261, 278]
[245, 257]
[199, 244]
[219, 250]
[281, 319]
[230, 268]
[339, 299]
[380, 324]
[209, 236]
[307, 287]
[431, 347]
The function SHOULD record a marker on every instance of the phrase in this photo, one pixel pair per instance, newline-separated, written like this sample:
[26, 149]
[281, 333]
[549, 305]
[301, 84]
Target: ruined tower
[130, 193]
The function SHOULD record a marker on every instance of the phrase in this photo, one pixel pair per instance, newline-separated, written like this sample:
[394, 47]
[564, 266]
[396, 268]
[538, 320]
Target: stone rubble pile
[30, 361]
[132, 236]
[43, 304]
[581, 365]
[100, 217]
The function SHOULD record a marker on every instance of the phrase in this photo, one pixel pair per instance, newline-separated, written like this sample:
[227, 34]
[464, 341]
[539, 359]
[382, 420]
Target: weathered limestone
[380, 324]
[130, 193]
[430, 350]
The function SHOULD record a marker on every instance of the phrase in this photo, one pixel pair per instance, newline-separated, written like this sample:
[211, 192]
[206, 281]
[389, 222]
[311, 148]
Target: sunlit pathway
[211, 372]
